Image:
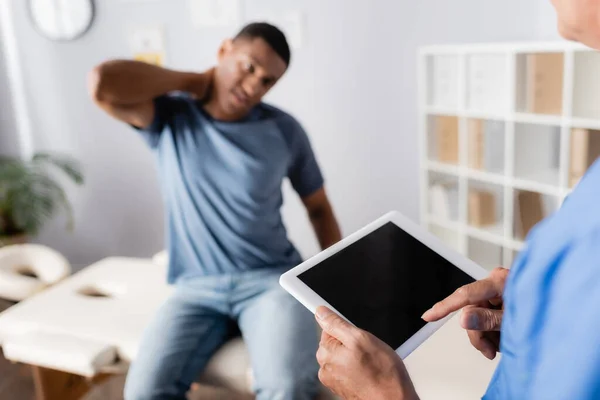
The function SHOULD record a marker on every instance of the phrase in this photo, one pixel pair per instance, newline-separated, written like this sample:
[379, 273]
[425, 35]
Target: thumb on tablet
[335, 325]
[481, 319]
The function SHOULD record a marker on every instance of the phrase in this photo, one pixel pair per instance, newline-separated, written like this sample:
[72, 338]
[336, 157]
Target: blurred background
[470, 117]
[352, 83]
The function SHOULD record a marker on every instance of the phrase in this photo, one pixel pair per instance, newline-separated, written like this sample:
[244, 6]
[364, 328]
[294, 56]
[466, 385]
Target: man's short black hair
[270, 34]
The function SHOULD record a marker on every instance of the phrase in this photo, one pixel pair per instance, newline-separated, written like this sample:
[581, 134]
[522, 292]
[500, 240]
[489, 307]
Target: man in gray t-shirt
[222, 156]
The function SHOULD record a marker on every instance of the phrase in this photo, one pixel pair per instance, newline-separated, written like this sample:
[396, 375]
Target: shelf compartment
[485, 206]
[487, 255]
[537, 153]
[443, 196]
[540, 81]
[443, 134]
[586, 85]
[584, 150]
[485, 145]
[487, 83]
[443, 77]
[530, 208]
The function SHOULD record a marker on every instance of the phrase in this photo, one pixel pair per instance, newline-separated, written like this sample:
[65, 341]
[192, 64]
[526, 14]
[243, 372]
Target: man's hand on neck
[202, 87]
[211, 103]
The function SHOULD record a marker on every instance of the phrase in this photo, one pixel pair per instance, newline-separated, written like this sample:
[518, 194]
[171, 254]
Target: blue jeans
[280, 334]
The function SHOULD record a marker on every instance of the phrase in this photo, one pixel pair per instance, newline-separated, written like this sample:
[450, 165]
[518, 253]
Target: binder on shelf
[486, 145]
[545, 83]
[445, 81]
[529, 210]
[486, 80]
[443, 200]
[585, 148]
[482, 208]
[476, 144]
[447, 138]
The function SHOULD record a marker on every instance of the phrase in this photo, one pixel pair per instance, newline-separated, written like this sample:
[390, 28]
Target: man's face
[247, 70]
[579, 20]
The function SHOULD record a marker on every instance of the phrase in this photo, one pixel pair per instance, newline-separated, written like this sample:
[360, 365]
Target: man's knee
[280, 305]
[288, 377]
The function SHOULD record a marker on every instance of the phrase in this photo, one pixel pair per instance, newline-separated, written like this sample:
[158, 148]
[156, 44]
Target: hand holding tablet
[357, 365]
[382, 279]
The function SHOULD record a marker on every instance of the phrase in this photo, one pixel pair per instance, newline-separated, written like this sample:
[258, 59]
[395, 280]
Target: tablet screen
[384, 282]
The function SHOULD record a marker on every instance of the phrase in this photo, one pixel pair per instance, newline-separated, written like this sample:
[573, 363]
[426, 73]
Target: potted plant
[31, 194]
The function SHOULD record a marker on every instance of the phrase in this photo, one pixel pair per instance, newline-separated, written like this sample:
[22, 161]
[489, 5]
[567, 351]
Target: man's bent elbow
[97, 83]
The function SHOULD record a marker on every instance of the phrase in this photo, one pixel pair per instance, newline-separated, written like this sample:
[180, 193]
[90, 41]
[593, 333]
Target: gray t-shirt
[222, 182]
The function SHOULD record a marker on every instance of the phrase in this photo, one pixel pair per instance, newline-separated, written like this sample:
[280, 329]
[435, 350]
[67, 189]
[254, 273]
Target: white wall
[353, 85]
[546, 26]
[8, 140]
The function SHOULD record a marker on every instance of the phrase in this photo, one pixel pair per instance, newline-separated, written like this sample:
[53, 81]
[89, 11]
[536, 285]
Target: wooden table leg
[57, 385]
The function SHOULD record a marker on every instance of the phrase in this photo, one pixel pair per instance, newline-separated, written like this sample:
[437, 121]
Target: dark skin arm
[126, 89]
[322, 218]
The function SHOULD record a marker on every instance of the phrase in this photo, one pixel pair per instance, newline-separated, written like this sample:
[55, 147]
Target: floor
[16, 383]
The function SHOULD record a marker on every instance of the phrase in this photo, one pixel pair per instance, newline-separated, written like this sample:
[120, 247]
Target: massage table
[26, 269]
[88, 327]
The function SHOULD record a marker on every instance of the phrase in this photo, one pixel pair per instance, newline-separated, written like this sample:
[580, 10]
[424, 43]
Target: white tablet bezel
[311, 300]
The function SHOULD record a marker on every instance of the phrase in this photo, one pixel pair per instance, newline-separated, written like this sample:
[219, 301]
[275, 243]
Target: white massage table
[88, 327]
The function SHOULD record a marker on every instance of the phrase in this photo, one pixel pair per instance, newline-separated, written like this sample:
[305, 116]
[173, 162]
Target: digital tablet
[383, 278]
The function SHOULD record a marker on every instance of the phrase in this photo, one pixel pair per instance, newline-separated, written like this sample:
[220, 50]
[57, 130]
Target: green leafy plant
[30, 193]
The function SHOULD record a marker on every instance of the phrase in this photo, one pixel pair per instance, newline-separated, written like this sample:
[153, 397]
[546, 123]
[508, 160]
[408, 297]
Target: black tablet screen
[384, 282]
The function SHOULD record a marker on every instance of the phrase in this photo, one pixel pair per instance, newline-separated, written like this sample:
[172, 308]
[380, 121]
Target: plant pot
[11, 240]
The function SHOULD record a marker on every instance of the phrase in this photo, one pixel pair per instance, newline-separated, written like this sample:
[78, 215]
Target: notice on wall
[215, 13]
[148, 45]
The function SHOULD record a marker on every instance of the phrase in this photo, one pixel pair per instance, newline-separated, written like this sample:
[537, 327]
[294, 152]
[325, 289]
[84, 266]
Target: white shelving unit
[527, 139]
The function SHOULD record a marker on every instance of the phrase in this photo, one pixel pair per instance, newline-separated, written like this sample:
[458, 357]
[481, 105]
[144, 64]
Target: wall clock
[62, 19]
